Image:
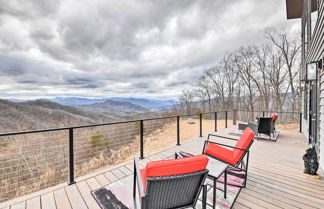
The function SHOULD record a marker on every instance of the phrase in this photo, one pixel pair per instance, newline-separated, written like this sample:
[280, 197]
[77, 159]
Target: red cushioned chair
[171, 183]
[235, 155]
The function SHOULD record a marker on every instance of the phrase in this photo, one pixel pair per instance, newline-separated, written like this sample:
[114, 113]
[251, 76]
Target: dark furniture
[237, 156]
[171, 183]
[216, 169]
[266, 126]
[243, 125]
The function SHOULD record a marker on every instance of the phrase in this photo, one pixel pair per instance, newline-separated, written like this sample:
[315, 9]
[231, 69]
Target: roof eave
[294, 9]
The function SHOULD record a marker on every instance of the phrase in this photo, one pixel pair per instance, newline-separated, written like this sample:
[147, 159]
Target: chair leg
[214, 193]
[242, 164]
[246, 168]
[134, 182]
[204, 197]
[225, 184]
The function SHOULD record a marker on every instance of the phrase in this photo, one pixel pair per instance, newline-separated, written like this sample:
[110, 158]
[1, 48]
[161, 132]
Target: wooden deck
[275, 179]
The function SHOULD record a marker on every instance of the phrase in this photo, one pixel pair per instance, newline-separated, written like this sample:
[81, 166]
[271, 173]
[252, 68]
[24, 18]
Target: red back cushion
[176, 166]
[243, 143]
[274, 117]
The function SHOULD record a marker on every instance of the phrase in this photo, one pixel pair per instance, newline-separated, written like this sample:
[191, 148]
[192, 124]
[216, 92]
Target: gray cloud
[122, 47]
[29, 9]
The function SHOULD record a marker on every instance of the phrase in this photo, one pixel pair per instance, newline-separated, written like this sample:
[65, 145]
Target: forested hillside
[41, 114]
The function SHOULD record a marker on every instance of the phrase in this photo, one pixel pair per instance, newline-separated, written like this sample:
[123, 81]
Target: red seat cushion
[220, 152]
[243, 143]
[174, 167]
[274, 117]
[234, 155]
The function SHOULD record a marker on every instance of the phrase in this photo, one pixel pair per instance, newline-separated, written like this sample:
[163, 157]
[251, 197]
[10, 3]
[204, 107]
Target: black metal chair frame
[214, 179]
[146, 197]
[266, 126]
[240, 165]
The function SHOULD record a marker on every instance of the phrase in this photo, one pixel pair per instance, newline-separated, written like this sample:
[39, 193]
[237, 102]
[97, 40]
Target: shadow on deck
[275, 179]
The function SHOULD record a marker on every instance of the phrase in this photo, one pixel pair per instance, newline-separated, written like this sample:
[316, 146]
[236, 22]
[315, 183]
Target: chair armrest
[139, 178]
[224, 137]
[253, 127]
[225, 145]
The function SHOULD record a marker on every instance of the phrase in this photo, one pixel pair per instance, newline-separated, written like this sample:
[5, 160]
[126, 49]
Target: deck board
[119, 173]
[111, 177]
[93, 183]
[61, 199]
[125, 170]
[130, 166]
[48, 201]
[20, 205]
[33, 203]
[269, 201]
[239, 205]
[275, 178]
[85, 191]
[102, 180]
[75, 197]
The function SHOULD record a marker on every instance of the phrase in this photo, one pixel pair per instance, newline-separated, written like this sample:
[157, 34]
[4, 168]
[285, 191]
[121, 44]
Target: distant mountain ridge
[114, 107]
[75, 101]
[152, 104]
[149, 104]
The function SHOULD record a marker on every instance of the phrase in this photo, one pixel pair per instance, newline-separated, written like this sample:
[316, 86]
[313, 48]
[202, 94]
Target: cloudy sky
[138, 48]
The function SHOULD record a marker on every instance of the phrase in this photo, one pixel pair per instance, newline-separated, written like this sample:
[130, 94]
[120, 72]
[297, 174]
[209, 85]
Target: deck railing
[30, 163]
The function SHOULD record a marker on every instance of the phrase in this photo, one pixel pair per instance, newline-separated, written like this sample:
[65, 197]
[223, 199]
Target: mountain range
[114, 107]
[145, 104]
[41, 114]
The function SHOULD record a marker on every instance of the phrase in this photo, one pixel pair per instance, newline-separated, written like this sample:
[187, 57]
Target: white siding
[321, 124]
[316, 53]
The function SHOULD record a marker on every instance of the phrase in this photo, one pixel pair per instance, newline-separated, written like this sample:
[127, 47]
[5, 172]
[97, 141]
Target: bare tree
[231, 76]
[205, 85]
[277, 76]
[186, 100]
[216, 75]
[289, 48]
[261, 64]
[252, 77]
[244, 60]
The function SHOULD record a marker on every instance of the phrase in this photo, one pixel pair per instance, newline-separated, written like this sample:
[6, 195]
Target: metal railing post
[200, 123]
[141, 139]
[300, 122]
[71, 158]
[215, 121]
[178, 130]
[234, 116]
[225, 119]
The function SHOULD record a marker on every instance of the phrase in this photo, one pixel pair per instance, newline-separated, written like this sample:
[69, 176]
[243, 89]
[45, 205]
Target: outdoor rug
[118, 195]
[261, 136]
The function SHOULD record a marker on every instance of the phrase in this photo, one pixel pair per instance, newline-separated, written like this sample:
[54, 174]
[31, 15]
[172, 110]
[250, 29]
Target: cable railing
[37, 159]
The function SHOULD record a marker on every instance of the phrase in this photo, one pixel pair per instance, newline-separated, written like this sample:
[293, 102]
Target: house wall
[321, 124]
[315, 52]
